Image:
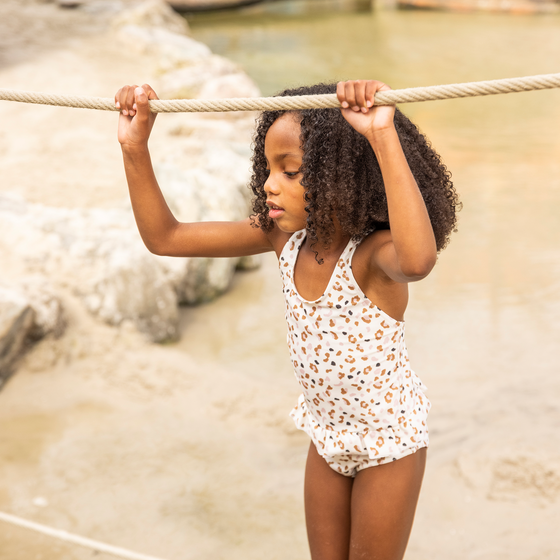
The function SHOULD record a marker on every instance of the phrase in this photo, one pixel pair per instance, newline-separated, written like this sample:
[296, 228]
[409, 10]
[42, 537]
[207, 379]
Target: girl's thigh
[383, 504]
[327, 509]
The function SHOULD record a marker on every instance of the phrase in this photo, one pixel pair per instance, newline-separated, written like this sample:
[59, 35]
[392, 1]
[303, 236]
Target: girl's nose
[270, 186]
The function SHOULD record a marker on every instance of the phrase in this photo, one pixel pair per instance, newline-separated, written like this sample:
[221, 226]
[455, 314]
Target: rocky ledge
[96, 253]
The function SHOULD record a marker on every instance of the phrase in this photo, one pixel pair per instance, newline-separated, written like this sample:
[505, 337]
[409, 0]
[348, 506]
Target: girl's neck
[337, 244]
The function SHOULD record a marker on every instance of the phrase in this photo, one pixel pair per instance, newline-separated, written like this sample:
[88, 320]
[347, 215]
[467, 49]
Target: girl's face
[283, 189]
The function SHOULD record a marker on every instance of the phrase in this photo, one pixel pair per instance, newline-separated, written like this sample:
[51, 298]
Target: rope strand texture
[328, 101]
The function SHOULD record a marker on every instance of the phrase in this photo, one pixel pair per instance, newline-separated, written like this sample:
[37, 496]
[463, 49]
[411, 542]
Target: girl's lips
[275, 211]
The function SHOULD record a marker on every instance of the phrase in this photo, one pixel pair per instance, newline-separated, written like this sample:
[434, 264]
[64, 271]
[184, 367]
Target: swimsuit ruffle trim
[381, 443]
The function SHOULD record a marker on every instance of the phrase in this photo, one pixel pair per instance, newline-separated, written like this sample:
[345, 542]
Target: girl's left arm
[409, 253]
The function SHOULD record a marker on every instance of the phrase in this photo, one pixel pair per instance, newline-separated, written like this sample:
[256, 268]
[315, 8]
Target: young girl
[355, 204]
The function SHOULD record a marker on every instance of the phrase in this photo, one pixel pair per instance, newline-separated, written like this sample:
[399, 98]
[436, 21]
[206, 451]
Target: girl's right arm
[160, 231]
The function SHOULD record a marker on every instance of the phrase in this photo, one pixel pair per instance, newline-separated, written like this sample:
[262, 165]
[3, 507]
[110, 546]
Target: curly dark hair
[341, 176]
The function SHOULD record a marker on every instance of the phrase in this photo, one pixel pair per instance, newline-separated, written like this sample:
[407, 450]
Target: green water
[503, 150]
[483, 328]
[493, 301]
[402, 48]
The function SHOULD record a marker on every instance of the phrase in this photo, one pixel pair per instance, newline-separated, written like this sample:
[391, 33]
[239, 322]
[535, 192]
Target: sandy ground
[186, 451]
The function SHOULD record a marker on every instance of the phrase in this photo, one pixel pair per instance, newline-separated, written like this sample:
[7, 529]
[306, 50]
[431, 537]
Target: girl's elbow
[161, 245]
[420, 268]
[156, 251]
[155, 248]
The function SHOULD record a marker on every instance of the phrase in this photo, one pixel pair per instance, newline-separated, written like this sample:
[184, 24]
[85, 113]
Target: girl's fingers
[130, 100]
[117, 99]
[150, 92]
[127, 98]
[123, 100]
[141, 104]
[120, 98]
[370, 93]
[350, 94]
[341, 95]
[360, 94]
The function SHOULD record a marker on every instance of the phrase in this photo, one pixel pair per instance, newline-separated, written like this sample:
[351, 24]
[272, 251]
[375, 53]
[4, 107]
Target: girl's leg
[327, 509]
[383, 504]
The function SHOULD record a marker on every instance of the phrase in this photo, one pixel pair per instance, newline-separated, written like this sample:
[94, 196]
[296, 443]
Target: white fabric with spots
[362, 405]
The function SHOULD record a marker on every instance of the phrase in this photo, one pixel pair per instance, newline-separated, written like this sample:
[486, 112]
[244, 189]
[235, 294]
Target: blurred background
[184, 450]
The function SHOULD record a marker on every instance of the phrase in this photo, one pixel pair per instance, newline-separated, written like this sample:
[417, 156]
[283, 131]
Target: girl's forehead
[284, 134]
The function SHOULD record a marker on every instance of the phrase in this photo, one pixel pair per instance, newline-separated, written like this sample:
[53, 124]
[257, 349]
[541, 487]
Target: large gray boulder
[202, 164]
[98, 254]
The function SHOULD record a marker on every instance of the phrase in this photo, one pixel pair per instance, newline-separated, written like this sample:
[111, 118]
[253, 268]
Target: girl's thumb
[140, 94]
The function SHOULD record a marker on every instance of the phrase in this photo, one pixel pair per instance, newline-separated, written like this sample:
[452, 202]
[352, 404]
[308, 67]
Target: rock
[205, 279]
[206, 5]
[27, 313]
[231, 85]
[187, 82]
[154, 13]
[70, 3]
[132, 287]
[250, 262]
[48, 310]
[171, 50]
[98, 254]
[196, 194]
[16, 320]
[210, 78]
[189, 69]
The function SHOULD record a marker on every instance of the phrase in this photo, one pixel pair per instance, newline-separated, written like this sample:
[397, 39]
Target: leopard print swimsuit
[361, 404]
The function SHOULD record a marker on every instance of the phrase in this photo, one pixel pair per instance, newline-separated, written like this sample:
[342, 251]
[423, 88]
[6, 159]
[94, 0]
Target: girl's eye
[291, 173]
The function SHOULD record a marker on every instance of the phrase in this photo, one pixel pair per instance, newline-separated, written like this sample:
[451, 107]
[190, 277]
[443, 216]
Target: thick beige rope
[411, 95]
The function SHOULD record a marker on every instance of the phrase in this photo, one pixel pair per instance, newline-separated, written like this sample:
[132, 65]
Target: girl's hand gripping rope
[161, 232]
[357, 98]
[409, 251]
[135, 119]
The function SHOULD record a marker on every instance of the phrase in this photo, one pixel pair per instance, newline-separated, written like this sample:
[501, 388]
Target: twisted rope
[328, 101]
[75, 539]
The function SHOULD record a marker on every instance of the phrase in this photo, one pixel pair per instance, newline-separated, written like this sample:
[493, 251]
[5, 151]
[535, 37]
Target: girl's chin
[288, 227]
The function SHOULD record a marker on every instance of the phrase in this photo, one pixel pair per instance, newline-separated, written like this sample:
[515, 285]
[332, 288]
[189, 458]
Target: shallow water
[483, 329]
[502, 150]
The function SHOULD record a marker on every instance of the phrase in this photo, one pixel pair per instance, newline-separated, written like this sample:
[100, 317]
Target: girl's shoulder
[373, 241]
